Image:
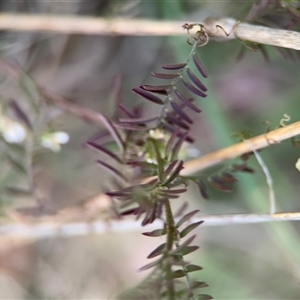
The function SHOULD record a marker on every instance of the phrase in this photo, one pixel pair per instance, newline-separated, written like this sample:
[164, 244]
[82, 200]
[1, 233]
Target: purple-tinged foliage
[174, 66]
[164, 75]
[146, 150]
[180, 112]
[199, 65]
[186, 217]
[178, 145]
[95, 146]
[174, 174]
[127, 111]
[202, 188]
[175, 121]
[157, 88]
[193, 89]
[187, 102]
[147, 96]
[189, 228]
[195, 80]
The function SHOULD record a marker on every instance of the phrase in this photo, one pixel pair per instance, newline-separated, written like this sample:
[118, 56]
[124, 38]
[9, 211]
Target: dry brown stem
[258, 142]
[88, 25]
[119, 26]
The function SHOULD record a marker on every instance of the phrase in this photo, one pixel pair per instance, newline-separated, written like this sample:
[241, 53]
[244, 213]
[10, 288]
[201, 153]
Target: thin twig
[45, 230]
[272, 201]
[118, 26]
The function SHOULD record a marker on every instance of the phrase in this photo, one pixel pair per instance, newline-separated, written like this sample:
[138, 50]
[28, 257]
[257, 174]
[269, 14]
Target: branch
[258, 142]
[253, 33]
[89, 25]
[121, 26]
[46, 230]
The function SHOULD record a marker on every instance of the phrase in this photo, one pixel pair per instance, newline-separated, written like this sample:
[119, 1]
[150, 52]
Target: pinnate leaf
[154, 233]
[174, 174]
[155, 88]
[242, 168]
[187, 102]
[189, 228]
[188, 250]
[177, 274]
[164, 76]
[178, 145]
[159, 250]
[218, 184]
[228, 178]
[195, 80]
[184, 245]
[193, 89]
[173, 66]
[104, 150]
[180, 112]
[199, 65]
[147, 95]
[186, 217]
[198, 285]
[193, 268]
[149, 266]
[176, 121]
[111, 169]
[202, 188]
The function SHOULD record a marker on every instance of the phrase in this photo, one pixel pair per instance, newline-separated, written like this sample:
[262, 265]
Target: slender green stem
[187, 277]
[159, 160]
[171, 235]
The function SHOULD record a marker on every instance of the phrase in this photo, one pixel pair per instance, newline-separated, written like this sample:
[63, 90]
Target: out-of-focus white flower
[298, 164]
[157, 134]
[12, 131]
[54, 140]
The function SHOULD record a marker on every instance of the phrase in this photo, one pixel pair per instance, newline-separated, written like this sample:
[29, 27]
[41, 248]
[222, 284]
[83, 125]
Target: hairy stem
[160, 163]
[171, 235]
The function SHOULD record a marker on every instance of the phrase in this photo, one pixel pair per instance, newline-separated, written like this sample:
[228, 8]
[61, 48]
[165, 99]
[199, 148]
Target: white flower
[54, 140]
[12, 131]
[298, 164]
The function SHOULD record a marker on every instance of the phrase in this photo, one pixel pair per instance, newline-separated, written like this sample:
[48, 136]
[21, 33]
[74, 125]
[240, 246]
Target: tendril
[201, 37]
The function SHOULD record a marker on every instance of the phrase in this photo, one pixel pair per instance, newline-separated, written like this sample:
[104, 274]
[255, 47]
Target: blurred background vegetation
[240, 261]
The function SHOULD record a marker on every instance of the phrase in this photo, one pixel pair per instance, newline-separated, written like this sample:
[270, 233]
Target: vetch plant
[147, 175]
[146, 155]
